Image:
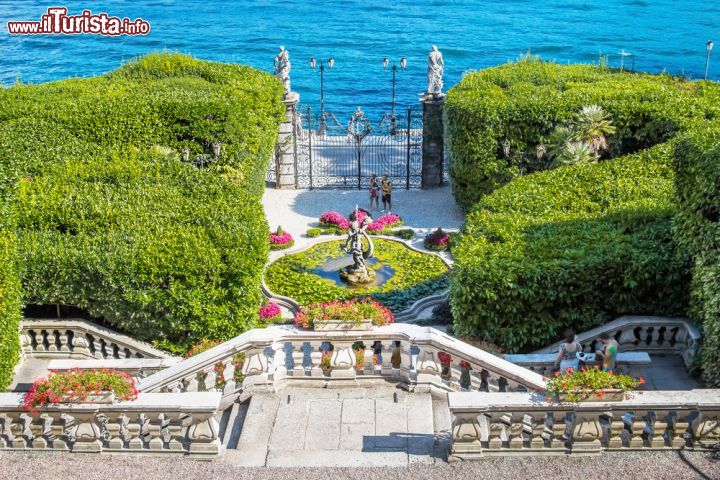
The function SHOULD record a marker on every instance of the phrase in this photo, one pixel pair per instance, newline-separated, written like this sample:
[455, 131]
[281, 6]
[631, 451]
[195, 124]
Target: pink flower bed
[271, 310]
[386, 221]
[438, 238]
[335, 219]
[283, 239]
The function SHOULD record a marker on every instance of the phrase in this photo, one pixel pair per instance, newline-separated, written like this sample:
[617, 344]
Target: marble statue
[435, 70]
[358, 272]
[282, 69]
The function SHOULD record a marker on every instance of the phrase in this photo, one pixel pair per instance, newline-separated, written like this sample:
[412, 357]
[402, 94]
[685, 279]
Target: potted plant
[590, 385]
[280, 239]
[81, 386]
[465, 380]
[326, 362]
[445, 372]
[357, 314]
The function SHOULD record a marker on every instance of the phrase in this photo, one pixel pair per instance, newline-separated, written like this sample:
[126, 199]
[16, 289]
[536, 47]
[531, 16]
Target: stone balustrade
[512, 423]
[154, 423]
[78, 338]
[630, 363]
[644, 333]
[421, 358]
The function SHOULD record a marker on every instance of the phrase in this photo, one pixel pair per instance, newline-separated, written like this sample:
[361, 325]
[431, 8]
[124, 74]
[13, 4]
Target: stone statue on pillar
[435, 71]
[282, 69]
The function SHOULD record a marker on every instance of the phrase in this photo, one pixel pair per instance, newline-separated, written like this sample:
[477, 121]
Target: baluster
[277, 353]
[559, 430]
[368, 366]
[536, 423]
[255, 368]
[25, 342]
[40, 341]
[176, 423]
[406, 361]
[17, 428]
[678, 427]
[98, 344]
[493, 383]
[155, 424]
[6, 434]
[52, 346]
[191, 383]
[298, 358]
[637, 429]
[387, 351]
[63, 339]
[428, 366]
[134, 432]
[498, 425]
[517, 430]
[120, 351]
[617, 427]
[315, 359]
[38, 428]
[659, 425]
[116, 431]
[229, 376]
[210, 379]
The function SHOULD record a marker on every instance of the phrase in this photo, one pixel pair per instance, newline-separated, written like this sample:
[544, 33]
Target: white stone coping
[631, 321]
[470, 402]
[279, 334]
[98, 331]
[634, 358]
[122, 364]
[189, 402]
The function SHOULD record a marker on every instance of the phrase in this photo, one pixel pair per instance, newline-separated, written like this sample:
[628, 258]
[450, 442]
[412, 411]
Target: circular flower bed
[280, 240]
[347, 310]
[270, 313]
[437, 240]
[416, 275]
[579, 385]
[77, 385]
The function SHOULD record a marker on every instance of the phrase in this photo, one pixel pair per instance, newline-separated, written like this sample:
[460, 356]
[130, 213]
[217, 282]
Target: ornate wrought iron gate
[331, 155]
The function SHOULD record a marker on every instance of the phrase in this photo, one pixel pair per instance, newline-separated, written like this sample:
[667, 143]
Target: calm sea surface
[660, 35]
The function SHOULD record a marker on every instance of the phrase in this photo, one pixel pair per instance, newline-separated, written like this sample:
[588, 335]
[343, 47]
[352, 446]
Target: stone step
[253, 435]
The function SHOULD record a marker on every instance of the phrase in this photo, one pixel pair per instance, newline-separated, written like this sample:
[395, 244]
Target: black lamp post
[330, 65]
[708, 48]
[403, 64]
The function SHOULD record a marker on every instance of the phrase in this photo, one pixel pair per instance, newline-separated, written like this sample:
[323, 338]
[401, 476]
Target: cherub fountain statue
[358, 273]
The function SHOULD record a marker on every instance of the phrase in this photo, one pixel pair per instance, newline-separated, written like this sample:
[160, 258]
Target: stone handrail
[136, 367]
[645, 333]
[407, 354]
[514, 423]
[79, 338]
[631, 363]
[182, 423]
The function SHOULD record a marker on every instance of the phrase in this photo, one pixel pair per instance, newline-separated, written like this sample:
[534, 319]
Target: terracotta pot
[342, 325]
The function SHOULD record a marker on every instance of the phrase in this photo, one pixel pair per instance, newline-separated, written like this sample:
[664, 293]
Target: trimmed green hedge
[110, 220]
[697, 228]
[577, 246]
[523, 103]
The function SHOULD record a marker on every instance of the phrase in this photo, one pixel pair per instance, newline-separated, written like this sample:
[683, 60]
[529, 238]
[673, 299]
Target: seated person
[566, 357]
[607, 352]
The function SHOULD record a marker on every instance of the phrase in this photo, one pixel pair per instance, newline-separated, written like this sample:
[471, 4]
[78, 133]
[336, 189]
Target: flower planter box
[102, 397]
[609, 395]
[342, 325]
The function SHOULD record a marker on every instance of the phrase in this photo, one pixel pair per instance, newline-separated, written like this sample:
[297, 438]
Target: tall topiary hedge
[578, 245]
[109, 217]
[697, 228]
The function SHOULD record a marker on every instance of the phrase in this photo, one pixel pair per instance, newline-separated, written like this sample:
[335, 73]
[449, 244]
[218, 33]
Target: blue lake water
[660, 35]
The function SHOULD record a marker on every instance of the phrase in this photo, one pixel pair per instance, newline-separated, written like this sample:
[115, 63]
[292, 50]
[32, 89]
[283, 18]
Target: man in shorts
[386, 187]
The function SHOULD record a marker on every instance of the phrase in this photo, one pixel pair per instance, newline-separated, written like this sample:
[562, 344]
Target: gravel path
[627, 465]
[298, 210]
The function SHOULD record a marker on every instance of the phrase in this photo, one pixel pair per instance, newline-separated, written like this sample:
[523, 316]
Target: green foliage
[697, 229]
[573, 247]
[579, 245]
[111, 221]
[404, 233]
[524, 102]
[313, 232]
[416, 275]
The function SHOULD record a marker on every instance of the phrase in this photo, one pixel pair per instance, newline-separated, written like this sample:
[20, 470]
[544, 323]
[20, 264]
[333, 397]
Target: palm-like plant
[592, 126]
[574, 153]
[558, 139]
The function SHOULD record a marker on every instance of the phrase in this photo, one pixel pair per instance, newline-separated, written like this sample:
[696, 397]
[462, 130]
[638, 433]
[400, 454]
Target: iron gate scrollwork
[332, 155]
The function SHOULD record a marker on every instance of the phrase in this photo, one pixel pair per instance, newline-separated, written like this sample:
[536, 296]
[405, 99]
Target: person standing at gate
[386, 187]
[375, 192]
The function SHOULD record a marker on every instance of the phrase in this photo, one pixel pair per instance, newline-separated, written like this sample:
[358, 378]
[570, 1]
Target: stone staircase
[315, 427]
